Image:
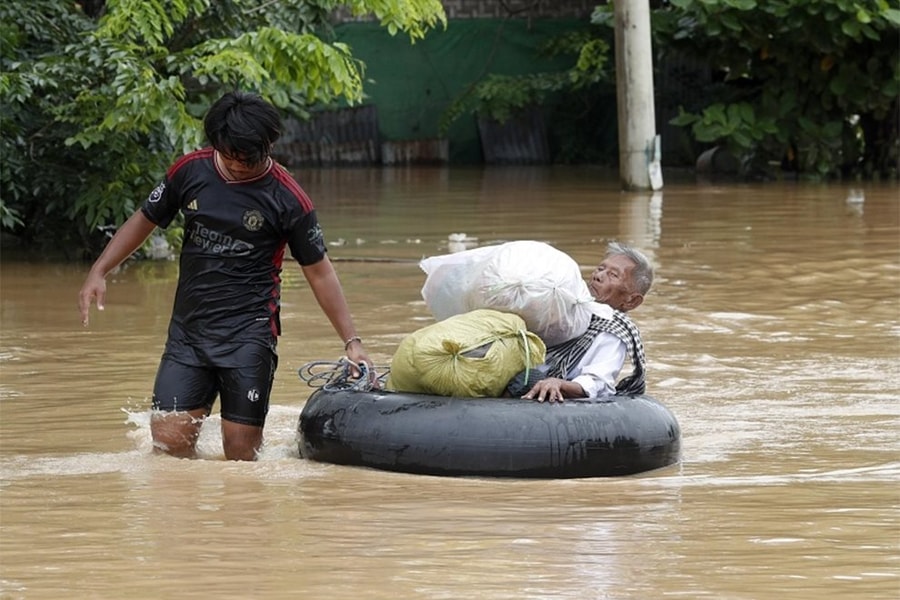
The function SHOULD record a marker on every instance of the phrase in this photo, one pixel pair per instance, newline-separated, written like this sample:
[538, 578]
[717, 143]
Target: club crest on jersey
[253, 220]
[157, 192]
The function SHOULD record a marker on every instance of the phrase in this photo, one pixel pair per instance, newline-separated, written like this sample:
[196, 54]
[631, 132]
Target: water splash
[279, 451]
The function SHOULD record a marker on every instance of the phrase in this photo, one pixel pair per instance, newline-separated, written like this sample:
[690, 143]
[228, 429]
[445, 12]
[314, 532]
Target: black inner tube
[496, 437]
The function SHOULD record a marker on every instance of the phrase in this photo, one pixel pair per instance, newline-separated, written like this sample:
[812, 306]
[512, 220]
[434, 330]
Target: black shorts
[244, 391]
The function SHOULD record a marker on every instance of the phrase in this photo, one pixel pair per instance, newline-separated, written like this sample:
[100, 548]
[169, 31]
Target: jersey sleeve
[306, 239]
[163, 204]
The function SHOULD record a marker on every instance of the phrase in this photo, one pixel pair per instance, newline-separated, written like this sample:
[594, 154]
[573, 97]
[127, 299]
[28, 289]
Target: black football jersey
[235, 234]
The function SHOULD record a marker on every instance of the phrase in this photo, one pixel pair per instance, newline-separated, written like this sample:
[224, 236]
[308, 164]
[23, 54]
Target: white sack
[534, 280]
[446, 278]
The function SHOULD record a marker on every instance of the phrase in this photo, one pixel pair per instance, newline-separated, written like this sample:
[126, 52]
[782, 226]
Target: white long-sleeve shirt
[598, 369]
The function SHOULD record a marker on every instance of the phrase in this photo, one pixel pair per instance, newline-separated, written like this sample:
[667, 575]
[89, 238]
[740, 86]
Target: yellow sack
[473, 354]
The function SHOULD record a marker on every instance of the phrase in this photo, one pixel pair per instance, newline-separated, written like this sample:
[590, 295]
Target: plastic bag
[531, 279]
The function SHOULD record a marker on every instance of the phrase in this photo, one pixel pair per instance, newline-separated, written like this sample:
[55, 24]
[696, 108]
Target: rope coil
[338, 375]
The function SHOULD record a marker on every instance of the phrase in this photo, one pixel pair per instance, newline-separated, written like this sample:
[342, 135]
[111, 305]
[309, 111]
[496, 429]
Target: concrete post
[639, 148]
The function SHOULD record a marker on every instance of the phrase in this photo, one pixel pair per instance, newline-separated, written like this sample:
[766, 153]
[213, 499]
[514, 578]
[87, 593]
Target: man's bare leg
[242, 442]
[176, 433]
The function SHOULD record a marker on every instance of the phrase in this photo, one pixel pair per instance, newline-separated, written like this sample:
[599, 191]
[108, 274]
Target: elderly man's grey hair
[642, 275]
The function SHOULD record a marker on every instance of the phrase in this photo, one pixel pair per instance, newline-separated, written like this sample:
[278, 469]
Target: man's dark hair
[243, 125]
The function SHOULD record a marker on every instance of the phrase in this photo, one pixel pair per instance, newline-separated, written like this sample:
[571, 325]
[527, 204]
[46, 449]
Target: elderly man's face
[611, 283]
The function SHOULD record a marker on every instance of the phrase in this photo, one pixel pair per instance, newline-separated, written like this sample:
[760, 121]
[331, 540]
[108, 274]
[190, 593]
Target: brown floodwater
[772, 333]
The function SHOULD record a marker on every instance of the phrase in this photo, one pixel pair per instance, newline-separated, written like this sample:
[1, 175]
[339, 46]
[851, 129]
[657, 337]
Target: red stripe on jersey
[278, 257]
[277, 260]
[285, 179]
[191, 156]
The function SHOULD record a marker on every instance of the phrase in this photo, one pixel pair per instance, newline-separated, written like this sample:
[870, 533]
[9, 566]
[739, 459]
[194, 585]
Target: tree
[809, 84]
[99, 97]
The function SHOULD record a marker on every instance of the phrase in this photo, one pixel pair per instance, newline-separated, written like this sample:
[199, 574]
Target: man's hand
[549, 389]
[358, 356]
[94, 289]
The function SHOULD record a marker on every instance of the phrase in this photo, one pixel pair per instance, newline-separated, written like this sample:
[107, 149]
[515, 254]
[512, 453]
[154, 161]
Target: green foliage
[500, 97]
[95, 109]
[35, 170]
[737, 123]
[814, 81]
[413, 16]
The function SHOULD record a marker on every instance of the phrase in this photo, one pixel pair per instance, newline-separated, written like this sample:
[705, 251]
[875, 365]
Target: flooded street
[772, 332]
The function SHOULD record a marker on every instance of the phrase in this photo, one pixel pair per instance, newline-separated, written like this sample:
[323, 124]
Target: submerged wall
[409, 87]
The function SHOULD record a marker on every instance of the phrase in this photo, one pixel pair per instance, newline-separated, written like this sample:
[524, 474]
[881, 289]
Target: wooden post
[639, 148]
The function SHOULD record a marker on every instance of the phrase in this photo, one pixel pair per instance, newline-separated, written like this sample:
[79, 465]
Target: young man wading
[240, 211]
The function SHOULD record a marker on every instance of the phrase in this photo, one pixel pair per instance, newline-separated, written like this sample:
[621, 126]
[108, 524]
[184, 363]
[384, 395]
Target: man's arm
[599, 368]
[330, 296]
[127, 239]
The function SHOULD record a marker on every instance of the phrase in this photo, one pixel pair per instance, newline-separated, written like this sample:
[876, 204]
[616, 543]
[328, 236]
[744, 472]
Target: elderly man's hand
[550, 389]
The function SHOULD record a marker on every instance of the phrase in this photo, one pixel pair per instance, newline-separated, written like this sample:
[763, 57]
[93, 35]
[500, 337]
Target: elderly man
[587, 366]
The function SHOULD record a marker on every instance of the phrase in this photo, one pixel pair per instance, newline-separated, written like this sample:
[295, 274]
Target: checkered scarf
[562, 357]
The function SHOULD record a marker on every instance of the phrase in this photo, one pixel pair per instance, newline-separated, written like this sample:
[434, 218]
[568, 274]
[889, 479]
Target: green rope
[524, 335]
